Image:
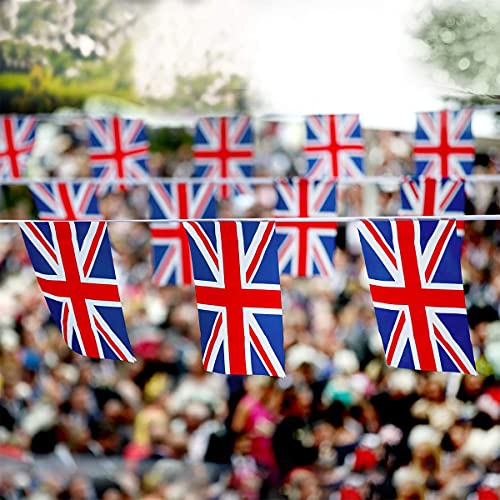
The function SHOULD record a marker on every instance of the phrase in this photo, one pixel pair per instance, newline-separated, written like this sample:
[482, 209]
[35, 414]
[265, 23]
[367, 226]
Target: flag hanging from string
[416, 286]
[169, 243]
[224, 149]
[334, 146]
[17, 138]
[444, 144]
[66, 200]
[237, 285]
[430, 196]
[306, 248]
[74, 268]
[118, 150]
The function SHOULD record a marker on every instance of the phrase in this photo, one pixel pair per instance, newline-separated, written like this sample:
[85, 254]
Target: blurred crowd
[341, 425]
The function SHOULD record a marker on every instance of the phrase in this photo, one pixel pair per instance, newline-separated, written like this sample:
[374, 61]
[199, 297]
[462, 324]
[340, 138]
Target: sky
[300, 57]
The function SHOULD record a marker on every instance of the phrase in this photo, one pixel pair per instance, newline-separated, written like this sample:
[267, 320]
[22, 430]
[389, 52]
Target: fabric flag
[17, 138]
[306, 248]
[430, 196]
[74, 268]
[169, 243]
[66, 200]
[334, 146]
[223, 149]
[237, 284]
[444, 145]
[118, 149]
[416, 286]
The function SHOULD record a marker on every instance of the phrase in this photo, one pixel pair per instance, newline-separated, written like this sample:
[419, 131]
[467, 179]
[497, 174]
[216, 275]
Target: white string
[256, 181]
[303, 220]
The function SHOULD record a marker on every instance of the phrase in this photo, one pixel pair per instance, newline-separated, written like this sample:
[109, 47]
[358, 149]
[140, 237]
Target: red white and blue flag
[74, 268]
[237, 285]
[17, 138]
[118, 149]
[430, 196]
[334, 146]
[444, 145]
[306, 248]
[66, 201]
[169, 242]
[416, 286]
[223, 149]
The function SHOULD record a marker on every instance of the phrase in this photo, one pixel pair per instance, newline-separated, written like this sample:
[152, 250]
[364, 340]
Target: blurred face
[304, 485]
[80, 399]
[458, 435]
[434, 391]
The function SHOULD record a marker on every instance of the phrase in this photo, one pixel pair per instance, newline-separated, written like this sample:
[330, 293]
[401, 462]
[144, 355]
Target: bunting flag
[169, 243]
[306, 248]
[334, 146]
[17, 138]
[237, 284]
[223, 149]
[430, 196]
[118, 149]
[66, 201]
[74, 268]
[416, 286]
[444, 145]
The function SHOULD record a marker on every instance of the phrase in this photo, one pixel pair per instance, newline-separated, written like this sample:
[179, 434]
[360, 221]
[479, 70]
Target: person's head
[434, 390]
[302, 484]
[297, 401]
[426, 457]
[80, 399]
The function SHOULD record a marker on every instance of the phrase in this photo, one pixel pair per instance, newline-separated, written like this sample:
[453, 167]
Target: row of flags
[306, 246]
[224, 148]
[413, 268]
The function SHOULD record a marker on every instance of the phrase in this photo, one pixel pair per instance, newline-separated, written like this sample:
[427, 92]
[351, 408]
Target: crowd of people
[341, 425]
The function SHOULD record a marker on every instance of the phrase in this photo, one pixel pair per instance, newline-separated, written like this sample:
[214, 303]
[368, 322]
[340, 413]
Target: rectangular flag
[237, 285]
[66, 200]
[169, 243]
[430, 196]
[334, 146]
[444, 145]
[416, 286]
[223, 149]
[74, 268]
[306, 248]
[17, 138]
[118, 149]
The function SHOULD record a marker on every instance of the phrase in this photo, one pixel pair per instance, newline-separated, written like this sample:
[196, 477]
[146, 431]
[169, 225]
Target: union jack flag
[170, 247]
[118, 149]
[223, 149]
[444, 145]
[74, 268]
[17, 138]
[334, 146]
[306, 248]
[66, 201]
[416, 286]
[237, 287]
[430, 196]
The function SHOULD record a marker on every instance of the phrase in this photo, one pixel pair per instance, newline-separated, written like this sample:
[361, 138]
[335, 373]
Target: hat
[424, 434]
[346, 362]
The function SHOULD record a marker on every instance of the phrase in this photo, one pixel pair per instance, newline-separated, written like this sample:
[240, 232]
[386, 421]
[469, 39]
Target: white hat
[424, 434]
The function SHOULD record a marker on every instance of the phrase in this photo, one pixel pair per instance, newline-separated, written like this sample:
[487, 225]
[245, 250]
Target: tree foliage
[463, 41]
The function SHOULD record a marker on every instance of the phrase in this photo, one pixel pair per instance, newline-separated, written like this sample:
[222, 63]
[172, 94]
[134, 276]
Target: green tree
[82, 44]
[463, 41]
[209, 90]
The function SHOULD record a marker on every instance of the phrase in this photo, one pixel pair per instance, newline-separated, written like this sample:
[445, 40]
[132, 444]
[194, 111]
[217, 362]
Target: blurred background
[341, 425]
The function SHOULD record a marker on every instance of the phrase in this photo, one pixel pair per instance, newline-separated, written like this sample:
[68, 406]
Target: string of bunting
[412, 261]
